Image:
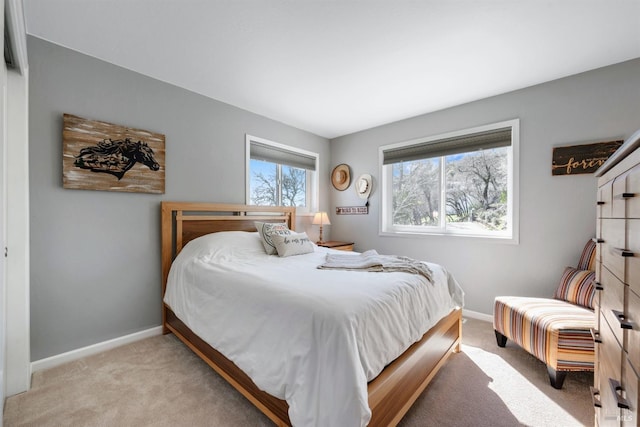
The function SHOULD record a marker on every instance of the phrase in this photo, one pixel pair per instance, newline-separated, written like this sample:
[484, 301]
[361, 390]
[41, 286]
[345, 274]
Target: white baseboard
[72, 355]
[477, 315]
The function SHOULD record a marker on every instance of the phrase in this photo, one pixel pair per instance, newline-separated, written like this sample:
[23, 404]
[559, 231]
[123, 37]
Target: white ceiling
[333, 67]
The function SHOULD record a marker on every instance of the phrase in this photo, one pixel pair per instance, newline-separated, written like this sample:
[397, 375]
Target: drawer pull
[622, 252]
[598, 240]
[616, 388]
[624, 324]
[595, 397]
[600, 203]
[624, 196]
[599, 286]
[595, 335]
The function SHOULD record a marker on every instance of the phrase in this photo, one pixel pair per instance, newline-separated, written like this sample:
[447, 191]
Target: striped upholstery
[577, 287]
[587, 259]
[554, 331]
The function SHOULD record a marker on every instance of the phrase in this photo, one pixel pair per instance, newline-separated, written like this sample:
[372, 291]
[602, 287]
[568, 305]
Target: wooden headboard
[185, 221]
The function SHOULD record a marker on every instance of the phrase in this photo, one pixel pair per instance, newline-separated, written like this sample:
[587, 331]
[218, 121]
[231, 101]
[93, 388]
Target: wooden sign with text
[585, 158]
[352, 210]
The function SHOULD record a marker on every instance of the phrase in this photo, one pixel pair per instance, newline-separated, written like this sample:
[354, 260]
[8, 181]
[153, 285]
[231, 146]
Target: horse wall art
[116, 157]
[102, 156]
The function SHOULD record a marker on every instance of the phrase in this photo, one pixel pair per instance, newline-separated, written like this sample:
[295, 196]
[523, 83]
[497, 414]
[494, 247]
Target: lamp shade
[321, 218]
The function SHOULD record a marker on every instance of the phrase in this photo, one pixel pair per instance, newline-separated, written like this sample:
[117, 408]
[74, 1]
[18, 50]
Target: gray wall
[557, 214]
[95, 256]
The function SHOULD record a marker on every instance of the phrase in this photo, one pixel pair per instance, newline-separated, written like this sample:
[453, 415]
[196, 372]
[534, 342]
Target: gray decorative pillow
[267, 230]
[292, 244]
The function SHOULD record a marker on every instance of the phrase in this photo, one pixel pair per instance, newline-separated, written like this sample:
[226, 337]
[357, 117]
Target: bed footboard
[391, 394]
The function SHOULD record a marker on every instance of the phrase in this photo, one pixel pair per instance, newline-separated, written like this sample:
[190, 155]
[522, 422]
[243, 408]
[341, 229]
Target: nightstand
[342, 246]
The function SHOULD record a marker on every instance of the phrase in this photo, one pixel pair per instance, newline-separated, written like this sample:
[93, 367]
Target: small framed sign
[585, 158]
[352, 210]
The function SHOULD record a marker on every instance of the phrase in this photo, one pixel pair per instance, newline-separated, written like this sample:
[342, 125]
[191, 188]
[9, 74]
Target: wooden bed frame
[391, 394]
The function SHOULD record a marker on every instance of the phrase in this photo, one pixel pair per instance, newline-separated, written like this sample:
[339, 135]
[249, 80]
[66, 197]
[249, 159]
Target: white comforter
[312, 337]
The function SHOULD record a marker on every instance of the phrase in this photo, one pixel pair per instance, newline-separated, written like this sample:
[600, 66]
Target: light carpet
[160, 382]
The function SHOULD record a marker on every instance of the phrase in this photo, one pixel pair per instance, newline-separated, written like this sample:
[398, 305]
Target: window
[279, 175]
[461, 183]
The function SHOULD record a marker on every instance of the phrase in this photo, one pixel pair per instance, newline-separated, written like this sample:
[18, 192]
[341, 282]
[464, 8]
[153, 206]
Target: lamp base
[320, 241]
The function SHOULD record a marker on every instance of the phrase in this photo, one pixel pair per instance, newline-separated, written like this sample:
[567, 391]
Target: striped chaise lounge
[557, 331]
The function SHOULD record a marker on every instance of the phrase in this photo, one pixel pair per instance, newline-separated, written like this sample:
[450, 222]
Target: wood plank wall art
[103, 156]
[584, 158]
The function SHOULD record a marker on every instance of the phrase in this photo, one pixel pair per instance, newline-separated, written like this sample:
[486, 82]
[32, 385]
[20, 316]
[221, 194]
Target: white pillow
[267, 230]
[292, 244]
[240, 242]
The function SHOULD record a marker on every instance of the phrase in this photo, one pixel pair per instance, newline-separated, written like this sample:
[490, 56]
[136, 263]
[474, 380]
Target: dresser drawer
[344, 247]
[609, 412]
[610, 351]
[612, 300]
[597, 299]
[632, 277]
[613, 234]
[633, 334]
[633, 187]
[599, 243]
[610, 358]
[605, 197]
[629, 417]
[334, 244]
[619, 203]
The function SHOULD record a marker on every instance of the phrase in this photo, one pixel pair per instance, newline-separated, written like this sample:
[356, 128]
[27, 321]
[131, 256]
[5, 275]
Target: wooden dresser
[617, 364]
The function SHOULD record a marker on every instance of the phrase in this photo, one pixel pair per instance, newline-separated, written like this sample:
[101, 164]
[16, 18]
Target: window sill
[509, 240]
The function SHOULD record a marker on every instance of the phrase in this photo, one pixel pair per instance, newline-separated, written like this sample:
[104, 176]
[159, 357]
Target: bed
[389, 389]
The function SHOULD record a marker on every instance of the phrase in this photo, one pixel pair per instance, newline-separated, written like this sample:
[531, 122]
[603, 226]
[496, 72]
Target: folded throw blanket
[372, 261]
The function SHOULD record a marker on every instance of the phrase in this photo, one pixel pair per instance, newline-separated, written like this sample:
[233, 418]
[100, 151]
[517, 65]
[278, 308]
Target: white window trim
[511, 236]
[312, 196]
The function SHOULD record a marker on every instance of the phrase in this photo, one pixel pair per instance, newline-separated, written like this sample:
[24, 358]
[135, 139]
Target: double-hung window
[461, 183]
[280, 175]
